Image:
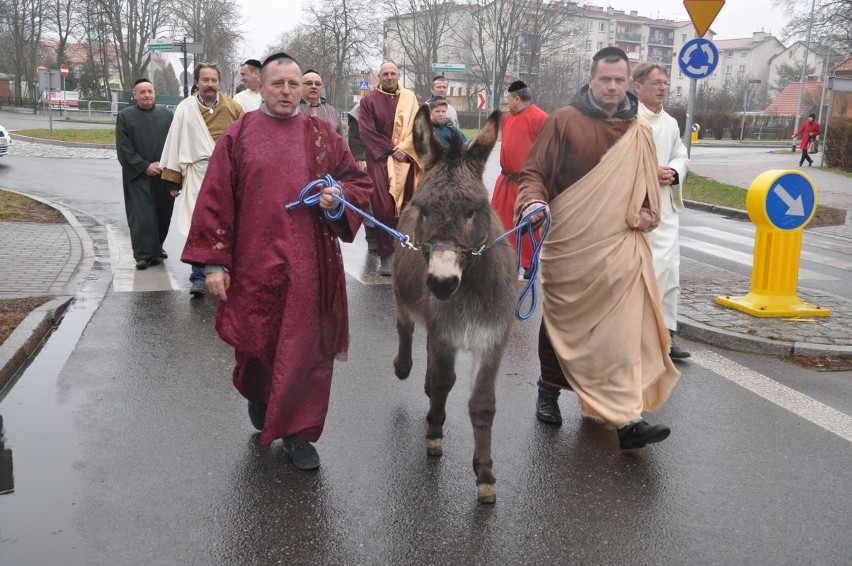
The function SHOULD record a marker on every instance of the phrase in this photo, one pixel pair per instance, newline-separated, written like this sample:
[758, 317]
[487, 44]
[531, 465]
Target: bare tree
[131, 24]
[419, 30]
[335, 40]
[831, 19]
[215, 23]
[92, 31]
[790, 74]
[539, 27]
[61, 19]
[23, 20]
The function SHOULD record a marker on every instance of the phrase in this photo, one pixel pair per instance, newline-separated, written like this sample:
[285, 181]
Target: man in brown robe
[603, 334]
[279, 275]
[386, 121]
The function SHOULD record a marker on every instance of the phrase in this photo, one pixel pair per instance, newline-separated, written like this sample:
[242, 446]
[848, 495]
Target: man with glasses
[650, 83]
[603, 335]
[313, 102]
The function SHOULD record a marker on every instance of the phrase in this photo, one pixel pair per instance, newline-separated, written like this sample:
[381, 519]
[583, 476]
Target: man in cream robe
[603, 334]
[199, 121]
[650, 83]
[386, 125]
[250, 98]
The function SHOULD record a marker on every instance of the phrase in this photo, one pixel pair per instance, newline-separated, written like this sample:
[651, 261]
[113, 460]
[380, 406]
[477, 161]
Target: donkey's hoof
[487, 492]
[435, 447]
[401, 370]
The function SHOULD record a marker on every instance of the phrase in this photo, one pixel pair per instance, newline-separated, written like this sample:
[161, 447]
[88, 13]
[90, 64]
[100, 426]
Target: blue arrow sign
[363, 85]
[790, 201]
[698, 58]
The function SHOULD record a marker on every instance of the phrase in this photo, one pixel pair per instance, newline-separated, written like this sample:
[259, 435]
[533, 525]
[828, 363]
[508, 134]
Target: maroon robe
[375, 124]
[519, 132]
[286, 312]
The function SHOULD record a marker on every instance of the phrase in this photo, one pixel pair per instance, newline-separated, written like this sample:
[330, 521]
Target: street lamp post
[804, 72]
[745, 105]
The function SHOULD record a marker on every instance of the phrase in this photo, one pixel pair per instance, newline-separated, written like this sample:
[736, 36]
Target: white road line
[125, 277]
[744, 258]
[797, 403]
[749, 241]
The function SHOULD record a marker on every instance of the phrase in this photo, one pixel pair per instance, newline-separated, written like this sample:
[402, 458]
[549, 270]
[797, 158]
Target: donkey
[465, 301]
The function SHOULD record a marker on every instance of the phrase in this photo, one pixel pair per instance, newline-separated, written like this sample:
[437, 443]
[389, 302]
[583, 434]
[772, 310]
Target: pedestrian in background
[651, 84]
[199, 121]
[520, 129]
[603, 334]
[440, 89]
[140, 133]
[279, 275]
[809, 132]
[359, 152]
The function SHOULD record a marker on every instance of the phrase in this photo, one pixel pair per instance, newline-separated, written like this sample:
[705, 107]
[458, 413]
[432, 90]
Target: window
[679, 91]
[683, 38]
[679, 74]
[587, 64]
[729, 53]
[600, 45]
[744, 54]
[591, 23]
[588, 45]
[452, 88]
[742, 68]
[728, 69]
[601, 26]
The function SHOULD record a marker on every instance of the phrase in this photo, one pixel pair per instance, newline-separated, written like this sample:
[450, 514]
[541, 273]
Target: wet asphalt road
[128, 445]
[141, 452]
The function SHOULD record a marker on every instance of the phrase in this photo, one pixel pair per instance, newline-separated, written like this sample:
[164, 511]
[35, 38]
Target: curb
[29, 335]
[80, 145]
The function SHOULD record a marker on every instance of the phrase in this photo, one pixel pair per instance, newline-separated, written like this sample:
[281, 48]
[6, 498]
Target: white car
[5, 141]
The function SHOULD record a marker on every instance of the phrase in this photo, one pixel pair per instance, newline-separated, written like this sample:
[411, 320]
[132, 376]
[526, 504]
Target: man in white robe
[199, 121]
[650, 84]
[250, 98]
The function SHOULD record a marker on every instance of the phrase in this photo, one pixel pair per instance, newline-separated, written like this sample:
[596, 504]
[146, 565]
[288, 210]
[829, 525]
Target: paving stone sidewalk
[37, 259]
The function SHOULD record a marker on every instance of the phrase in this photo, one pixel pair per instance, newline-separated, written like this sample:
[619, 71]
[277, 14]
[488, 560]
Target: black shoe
[257, 414]
[163, 254]
[637, 435]
[198, 289]
[547, 410]
[143, 263]
[302, 453]
[678, 353]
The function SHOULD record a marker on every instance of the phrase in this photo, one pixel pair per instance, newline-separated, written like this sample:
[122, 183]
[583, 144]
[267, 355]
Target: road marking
[805, 255]
[744, 258]
[125, 277]
[797, 403]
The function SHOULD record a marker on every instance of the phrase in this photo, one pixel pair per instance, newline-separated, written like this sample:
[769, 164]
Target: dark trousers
[805, 157]
[149, 214]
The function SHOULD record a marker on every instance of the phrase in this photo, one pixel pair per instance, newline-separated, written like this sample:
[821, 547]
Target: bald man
[314, 103]
[386, 123]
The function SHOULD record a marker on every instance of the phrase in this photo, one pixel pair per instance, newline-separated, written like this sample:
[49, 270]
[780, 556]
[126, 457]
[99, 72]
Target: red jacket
[808, 131]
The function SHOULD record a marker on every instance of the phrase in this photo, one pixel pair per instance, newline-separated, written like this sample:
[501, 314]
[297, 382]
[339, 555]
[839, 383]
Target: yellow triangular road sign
[702, 13]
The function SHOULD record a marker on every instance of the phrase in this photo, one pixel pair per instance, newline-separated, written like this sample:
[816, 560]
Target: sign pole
[690, 108]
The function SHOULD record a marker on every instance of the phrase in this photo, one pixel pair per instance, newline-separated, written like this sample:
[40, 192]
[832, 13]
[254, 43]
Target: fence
[87, 110]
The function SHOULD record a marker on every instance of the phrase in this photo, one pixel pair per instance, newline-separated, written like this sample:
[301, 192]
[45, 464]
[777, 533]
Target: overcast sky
[265, 21]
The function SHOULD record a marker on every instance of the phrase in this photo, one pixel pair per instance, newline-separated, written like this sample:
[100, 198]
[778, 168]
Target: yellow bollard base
[766, 306]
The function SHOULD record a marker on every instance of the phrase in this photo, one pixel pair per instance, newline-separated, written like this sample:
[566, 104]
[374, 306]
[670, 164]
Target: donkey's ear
[481, 147]
[427, 146]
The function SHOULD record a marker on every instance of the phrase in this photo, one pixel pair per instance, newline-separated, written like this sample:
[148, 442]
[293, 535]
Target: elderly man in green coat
[140, 133]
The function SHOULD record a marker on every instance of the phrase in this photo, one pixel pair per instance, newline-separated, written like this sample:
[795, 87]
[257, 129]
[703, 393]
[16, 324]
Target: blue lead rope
[308, 198]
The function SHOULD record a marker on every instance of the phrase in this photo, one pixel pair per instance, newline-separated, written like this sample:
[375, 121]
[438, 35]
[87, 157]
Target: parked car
[5, 141]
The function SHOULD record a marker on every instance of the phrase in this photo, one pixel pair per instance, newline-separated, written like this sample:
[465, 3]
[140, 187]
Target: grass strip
[708, 191]
[90, 135]
[18, 208]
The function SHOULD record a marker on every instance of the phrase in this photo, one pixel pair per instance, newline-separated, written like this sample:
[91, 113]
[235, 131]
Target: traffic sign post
[780, 203]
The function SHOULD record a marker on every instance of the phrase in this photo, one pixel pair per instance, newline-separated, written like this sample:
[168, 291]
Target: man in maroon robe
[279, 275]
[520, 129]
[386, 122]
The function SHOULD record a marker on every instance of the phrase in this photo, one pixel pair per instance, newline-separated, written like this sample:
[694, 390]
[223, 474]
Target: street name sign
[698, 58]
[161, 45]
[702, 13]
[447, 68]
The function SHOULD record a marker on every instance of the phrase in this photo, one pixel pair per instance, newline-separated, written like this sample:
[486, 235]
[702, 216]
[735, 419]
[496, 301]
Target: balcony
[632, 37]
[667, 40]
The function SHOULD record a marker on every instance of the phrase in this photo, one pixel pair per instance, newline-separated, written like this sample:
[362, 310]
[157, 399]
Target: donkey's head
[453, 209]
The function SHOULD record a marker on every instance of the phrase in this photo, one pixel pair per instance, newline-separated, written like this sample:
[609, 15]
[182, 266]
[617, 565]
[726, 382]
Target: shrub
[838, 146]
